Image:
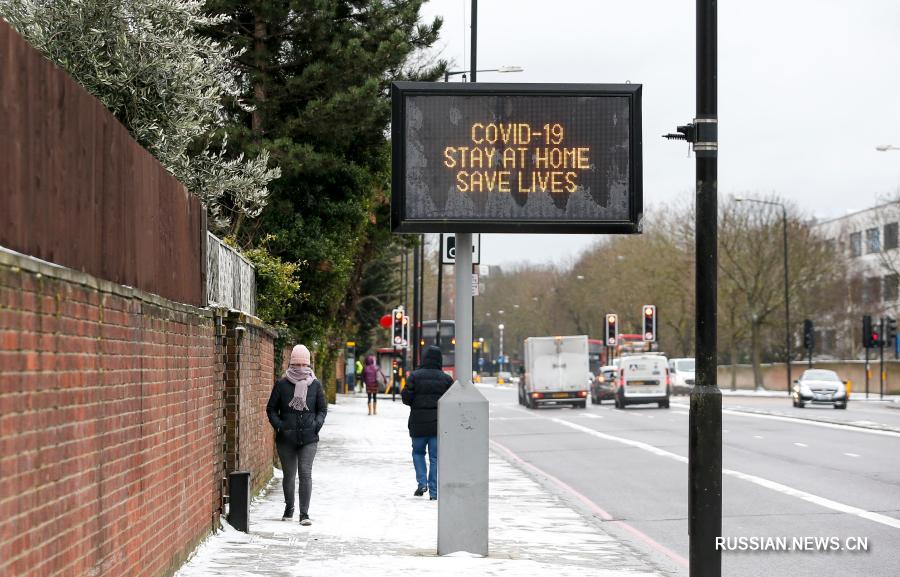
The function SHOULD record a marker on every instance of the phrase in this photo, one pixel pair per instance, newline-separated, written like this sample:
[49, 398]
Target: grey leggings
[293, 459]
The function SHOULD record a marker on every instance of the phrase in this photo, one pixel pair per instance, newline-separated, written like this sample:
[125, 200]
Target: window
[856, 244]
[872, 290]
[873, 240]
[890, 236]
[891, 287]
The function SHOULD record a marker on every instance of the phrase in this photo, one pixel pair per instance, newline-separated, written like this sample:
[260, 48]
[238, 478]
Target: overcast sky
[807, 89]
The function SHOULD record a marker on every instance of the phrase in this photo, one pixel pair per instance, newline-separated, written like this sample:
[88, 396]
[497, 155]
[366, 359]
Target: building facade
[869, 242]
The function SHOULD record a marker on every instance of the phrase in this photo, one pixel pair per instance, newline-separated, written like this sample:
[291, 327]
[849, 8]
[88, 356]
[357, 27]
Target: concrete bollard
[463, 470]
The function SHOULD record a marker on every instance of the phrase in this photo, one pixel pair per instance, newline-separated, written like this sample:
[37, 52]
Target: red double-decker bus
[598, 352]
[448, 342]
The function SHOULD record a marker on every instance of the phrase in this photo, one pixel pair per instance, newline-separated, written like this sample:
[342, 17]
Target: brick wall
[249, 376]
[112, 421]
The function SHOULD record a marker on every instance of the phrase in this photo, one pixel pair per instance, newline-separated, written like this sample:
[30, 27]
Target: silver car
[819, 387]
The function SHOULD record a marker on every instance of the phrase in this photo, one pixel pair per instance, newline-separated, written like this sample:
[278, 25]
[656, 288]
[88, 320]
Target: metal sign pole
[463, 421]
[705, 441]
[414, 330]
[881, 334]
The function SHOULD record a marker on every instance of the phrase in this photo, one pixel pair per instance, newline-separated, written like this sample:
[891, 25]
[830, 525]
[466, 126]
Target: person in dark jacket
[424, 387]
[296, 410]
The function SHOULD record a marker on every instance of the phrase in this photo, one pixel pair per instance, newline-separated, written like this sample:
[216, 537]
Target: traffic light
[612, 329]
[808, 336]
[890, 329]
[876, 337]
[649, 323]
[399, 328]
[867, 331]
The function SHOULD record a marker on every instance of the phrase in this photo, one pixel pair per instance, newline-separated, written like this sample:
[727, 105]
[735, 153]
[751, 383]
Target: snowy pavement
[366, 521]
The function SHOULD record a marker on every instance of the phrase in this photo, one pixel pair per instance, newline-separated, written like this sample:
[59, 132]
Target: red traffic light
[385, 321]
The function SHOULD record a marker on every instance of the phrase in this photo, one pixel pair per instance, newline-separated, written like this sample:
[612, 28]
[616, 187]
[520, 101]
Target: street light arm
[501, 70]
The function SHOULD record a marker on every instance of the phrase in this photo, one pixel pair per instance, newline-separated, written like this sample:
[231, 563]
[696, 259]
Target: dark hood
[370, 360]
[432, 359]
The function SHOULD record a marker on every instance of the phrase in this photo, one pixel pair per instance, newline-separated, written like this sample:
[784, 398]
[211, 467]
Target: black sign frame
[401, 224]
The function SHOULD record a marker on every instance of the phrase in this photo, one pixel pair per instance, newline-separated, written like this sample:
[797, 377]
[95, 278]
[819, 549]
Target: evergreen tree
[316, 74]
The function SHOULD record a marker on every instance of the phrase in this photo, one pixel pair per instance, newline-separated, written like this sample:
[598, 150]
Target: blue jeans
[418, 453]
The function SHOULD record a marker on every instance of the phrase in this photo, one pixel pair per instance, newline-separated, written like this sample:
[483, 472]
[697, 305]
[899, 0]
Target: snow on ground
[366, 521]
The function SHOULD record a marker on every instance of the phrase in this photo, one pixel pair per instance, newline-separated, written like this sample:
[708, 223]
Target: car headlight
[840, 392]
[805, 390]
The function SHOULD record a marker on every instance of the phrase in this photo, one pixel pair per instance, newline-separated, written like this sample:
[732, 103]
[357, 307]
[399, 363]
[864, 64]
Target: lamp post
[501, 70]
[500, 326]
[787, 297]
[480, 354]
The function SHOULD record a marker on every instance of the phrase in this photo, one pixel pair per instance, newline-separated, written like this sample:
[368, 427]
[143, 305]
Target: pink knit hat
[300, 355]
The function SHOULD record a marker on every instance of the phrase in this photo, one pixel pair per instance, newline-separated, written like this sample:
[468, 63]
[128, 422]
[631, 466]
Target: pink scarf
[301, 376]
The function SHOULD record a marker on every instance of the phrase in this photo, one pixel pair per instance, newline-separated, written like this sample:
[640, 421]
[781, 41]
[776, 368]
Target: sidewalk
[366, 521]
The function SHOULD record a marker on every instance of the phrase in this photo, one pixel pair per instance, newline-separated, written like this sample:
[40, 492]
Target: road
[784, 478]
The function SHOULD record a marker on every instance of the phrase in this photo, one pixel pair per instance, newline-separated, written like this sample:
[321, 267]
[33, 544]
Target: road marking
[757, 436]
[807, 422]
[851, 455]
[801, 444]
[773, 485]
[591, 416]
[602, 513]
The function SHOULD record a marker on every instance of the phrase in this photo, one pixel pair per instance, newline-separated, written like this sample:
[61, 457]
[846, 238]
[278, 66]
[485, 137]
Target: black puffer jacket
[424, 387]
[291, 425]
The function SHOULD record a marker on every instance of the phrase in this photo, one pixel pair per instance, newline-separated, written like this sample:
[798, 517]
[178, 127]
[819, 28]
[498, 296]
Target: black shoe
[432, 497]
[304, 520]
[420, 491]
[288, 513]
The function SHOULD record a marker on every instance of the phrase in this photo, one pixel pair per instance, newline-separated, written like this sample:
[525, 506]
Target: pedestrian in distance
[424, 387]
[359, 370]
[372, 378]
[296, 410]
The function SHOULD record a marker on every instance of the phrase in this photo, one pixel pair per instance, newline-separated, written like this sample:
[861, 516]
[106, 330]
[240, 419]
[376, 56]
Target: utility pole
[705, 440]
[705, 420]
[787, 299]
[440, 289]
[881, 342]
[416, 319]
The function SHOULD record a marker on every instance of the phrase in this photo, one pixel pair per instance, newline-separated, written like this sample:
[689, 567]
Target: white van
[555, 370]
[643, 379]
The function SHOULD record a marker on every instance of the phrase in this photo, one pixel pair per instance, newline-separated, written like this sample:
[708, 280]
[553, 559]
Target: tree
[752, 266]
[166, 83]
[316, 74]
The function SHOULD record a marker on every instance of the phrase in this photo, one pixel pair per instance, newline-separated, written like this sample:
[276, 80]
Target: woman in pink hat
[297, 409]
